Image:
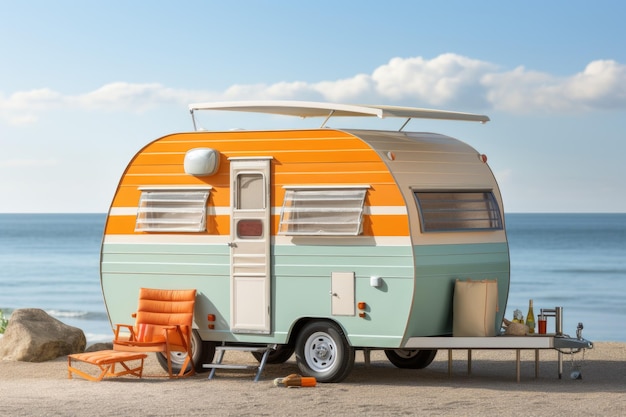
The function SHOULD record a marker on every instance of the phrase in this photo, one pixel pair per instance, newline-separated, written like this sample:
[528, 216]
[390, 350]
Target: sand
[43, 389]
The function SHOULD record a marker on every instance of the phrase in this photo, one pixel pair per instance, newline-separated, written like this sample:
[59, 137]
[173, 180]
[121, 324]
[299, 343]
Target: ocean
[574, 261]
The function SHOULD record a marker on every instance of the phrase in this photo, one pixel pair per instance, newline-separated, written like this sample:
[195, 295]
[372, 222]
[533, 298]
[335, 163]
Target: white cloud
[356, 89]
[601, 85]
[34, 99]
[20, 108]
[446, 81]
[137, 97]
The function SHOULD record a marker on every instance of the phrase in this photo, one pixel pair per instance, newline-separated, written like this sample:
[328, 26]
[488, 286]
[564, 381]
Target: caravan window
[172, 211]
[443, 211]
[322, 211]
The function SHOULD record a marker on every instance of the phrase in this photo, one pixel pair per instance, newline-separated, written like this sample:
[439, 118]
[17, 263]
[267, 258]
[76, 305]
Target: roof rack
[305, 109]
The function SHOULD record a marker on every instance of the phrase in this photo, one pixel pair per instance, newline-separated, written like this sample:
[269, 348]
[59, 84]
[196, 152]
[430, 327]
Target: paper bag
[474, 308]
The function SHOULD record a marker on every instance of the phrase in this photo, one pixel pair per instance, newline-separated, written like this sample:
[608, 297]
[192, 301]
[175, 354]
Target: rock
[33, 336]
[99, 346]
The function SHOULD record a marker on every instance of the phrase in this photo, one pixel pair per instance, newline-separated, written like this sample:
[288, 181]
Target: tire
[281, 354]
[411, 358]
[201, 352]
[323, 352]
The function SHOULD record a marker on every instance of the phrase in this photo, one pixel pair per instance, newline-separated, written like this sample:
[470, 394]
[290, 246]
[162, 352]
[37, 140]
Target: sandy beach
[43, 389]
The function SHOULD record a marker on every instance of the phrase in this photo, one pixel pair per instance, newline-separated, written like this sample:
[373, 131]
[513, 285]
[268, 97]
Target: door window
[250, 191]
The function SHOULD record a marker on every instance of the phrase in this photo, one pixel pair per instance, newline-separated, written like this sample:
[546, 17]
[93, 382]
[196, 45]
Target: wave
[603, 271]
[78, 315]
[67, 314]
[98, 338]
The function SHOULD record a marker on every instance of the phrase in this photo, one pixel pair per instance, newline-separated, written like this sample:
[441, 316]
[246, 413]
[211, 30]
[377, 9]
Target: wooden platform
[517, 343]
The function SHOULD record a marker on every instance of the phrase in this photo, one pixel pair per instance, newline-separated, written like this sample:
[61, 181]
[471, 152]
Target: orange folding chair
[163, 323]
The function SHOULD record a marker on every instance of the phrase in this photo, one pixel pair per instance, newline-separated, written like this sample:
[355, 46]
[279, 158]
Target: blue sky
[85, 84]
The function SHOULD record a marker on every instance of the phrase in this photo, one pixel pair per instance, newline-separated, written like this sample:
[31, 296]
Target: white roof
[316, 109]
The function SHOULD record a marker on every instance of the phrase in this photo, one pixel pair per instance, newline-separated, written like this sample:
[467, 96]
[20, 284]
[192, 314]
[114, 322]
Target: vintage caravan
[320, 241]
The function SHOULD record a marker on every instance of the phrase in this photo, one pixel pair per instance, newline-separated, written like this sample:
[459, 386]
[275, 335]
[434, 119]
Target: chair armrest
[129, 327]
[178, 329]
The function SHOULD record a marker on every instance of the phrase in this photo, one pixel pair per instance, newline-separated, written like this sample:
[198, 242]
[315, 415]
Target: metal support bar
[518, 363]
[327, 119]
[366, 356]
[404, 125]
[536, 363]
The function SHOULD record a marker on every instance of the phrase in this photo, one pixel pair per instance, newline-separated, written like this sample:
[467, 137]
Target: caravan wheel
[411, 358]
[201, 352]
[323, 352]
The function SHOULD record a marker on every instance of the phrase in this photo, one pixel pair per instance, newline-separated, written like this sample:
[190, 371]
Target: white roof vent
[201, 162]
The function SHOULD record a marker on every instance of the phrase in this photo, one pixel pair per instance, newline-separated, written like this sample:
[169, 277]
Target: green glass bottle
[530, 318]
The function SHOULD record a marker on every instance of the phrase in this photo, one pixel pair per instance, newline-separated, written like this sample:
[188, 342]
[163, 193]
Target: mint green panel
[303, 289]
[164, 258]
[404, 305]
[437, 269]
[301, 284]
[121, 292]
[127, 267]
[147, 266]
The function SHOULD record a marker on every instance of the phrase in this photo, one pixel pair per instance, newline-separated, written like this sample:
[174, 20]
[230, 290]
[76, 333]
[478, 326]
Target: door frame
[250, 261]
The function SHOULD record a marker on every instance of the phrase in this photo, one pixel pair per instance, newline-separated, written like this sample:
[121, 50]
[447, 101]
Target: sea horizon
[574, 260]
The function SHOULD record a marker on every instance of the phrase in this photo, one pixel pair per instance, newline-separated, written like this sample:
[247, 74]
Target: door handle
[232, 244]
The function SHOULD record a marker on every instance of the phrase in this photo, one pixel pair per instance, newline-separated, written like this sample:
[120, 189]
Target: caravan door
[250, 245]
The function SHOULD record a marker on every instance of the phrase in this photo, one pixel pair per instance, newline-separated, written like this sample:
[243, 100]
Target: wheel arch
[299, 324]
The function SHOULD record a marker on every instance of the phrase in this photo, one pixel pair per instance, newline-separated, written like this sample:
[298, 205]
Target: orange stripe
[385, 225]
[120, 225]
[329, 177]
[253, 140]
[299, 158]
[124, 225]
[344, 166]
[137, 169]
[280, 156]
[258, 143]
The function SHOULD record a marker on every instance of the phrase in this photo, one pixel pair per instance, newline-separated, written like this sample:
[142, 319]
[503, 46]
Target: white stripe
[342, 241]
[123, 211]
[276, 240]
[386, 210]
[218, 210]
[169, 238]
[368, 210]
[326, 187]
[225, 211]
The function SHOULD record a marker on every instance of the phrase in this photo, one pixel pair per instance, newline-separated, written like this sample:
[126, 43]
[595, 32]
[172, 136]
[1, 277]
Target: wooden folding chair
[163, 323]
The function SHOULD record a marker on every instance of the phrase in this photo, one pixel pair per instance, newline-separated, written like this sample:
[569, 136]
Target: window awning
[306, 109]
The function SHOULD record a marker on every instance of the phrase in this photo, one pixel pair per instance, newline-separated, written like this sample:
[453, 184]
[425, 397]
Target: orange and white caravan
[320, 241]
